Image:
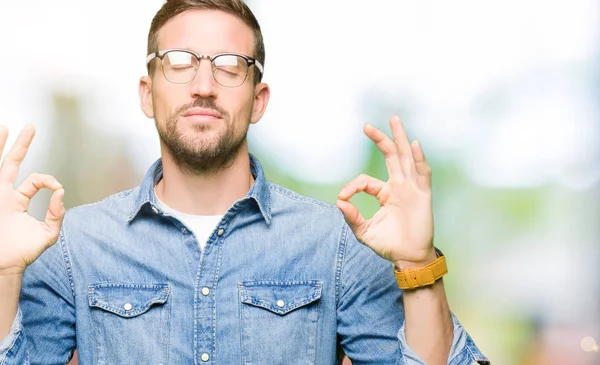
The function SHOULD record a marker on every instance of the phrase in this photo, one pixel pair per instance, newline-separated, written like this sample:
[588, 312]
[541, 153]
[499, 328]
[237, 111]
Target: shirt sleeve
[463, 351]
[371, 315]
[11, 349]
[43, 331]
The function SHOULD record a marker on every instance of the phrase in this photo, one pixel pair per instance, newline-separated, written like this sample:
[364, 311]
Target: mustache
[204, 104]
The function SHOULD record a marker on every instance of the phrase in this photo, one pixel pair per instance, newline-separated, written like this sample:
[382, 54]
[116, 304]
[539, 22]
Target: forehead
[207, 32]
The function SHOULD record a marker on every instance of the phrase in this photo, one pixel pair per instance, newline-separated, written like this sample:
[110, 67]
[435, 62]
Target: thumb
[353, 217]
[55, 214]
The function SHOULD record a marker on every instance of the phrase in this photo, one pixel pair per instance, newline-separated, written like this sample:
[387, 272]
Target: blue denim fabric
[282, 281]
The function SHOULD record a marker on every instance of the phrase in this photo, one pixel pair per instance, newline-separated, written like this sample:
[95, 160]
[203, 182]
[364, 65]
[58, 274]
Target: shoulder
[307, 214]
[283, 195]
[119, 204]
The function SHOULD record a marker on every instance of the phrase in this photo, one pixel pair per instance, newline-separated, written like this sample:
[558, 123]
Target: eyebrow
[221, 50]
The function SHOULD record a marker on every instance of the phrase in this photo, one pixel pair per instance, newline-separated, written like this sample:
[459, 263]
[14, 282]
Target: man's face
[203, 125]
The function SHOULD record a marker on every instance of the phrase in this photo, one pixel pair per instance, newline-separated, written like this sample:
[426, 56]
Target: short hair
[238, 8]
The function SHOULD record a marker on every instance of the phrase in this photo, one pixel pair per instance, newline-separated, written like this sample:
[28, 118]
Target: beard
[197, 153]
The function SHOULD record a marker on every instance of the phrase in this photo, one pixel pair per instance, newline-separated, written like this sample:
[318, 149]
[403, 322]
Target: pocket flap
[280, 297]
[127, 300]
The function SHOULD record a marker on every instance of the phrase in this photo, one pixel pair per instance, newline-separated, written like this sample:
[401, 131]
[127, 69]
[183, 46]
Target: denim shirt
[282, 280]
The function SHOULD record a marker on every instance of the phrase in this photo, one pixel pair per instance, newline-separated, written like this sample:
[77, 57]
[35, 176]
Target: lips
[202, 112]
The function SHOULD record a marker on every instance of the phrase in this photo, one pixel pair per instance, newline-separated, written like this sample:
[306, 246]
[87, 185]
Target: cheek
[159, 109]
[165, 103]
[240, 107]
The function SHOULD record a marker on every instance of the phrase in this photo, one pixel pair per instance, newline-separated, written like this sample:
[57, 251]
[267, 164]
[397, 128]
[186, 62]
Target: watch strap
[422, 276]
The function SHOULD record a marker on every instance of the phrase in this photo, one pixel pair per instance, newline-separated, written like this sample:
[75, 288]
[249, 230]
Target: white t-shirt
[200, 225]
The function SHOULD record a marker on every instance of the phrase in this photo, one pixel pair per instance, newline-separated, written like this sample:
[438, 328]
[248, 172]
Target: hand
[402, 229]
[22, 237]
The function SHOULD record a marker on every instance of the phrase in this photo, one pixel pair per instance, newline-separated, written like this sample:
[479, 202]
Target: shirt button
[127, 306]
[184, 230]
[205, 291]
[220, 232]
[155, 210]
[280, 303]
[205, 357]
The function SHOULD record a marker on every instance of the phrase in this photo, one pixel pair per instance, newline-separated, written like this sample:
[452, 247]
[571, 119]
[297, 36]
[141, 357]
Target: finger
[34, 182]
[10, 166]
[352, 215]
[3, 138]
[366, 183]
[403, 146]
[55, 214]
[421, 165]
[387, 147]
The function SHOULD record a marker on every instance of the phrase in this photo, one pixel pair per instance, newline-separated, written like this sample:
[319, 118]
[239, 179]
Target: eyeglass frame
[161, 54]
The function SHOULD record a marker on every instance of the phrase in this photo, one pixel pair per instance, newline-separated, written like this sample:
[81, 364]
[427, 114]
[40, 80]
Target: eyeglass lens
[228, 70]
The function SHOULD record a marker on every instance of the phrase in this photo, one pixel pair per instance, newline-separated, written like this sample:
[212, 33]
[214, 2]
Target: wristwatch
[422, 276]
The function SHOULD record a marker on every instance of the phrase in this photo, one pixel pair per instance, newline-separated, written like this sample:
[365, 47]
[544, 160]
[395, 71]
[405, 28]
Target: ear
[262, 92]
[145, 91]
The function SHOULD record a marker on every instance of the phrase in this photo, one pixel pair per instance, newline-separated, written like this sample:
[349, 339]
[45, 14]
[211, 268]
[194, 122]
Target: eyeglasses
[180, 66]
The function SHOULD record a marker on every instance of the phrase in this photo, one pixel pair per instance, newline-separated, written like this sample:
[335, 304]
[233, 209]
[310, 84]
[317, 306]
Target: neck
[210, 194]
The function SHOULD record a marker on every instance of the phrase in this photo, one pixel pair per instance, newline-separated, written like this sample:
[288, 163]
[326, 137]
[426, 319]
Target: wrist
[421, 275]
[11, 272]
[429, 257]
[10, 280]
[10, 289]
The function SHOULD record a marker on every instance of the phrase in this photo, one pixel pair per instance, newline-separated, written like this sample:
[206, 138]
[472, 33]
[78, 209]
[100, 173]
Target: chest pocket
[131, 322]
[279, 321]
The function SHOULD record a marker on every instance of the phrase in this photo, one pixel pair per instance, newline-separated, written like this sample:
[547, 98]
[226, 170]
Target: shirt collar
[144, 197]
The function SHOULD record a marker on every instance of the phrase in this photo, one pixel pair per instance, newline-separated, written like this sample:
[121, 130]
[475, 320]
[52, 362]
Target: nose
[204, 84]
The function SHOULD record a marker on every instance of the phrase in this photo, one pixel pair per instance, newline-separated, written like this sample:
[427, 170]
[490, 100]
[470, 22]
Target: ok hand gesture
[22, 237]
[402, 230]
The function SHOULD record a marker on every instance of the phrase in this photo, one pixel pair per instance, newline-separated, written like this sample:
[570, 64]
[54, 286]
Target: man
[206, 262]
